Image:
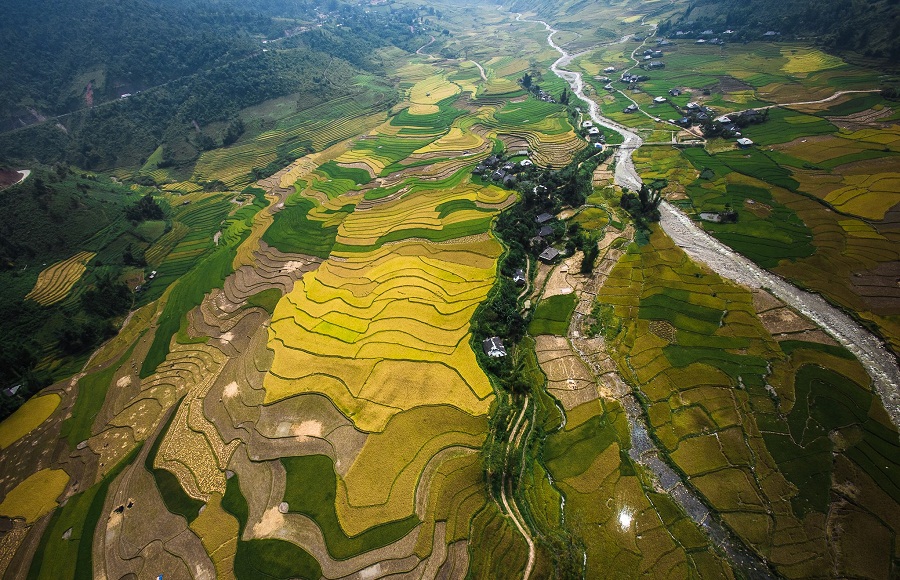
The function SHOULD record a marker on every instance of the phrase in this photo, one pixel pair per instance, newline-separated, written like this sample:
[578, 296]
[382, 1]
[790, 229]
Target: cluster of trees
[546, 191]
[146, 208]
[713, 128]
[644, 207]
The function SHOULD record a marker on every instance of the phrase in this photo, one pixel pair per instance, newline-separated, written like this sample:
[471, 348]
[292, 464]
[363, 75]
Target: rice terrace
[449, 289]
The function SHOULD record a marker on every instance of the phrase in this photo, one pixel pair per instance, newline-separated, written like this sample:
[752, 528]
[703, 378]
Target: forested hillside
[105, 83]
[870, 28]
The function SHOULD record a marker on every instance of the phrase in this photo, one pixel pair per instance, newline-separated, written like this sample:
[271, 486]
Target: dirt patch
[567, 378]
[758, 209]
[271, 521]
[784, 320]
[730, 85]
[880, 288]
[565, 278]
[231, 390]
[864, 119]
[11, 177]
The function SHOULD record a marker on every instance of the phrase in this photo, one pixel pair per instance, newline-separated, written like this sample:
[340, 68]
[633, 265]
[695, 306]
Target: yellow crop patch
[454, 140]
[805, 60]
[35, 496]
[868, 196]
[34, 412]
[384, 331]
[431, 91]
[53, 283]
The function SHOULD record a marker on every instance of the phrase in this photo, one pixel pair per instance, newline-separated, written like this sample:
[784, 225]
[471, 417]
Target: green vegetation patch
[255, 559]
[448, 207]
[444, 117]
[293, 232]
[354, 174]
[785, 125]
[672, 304]
[311, 490]
[552, 315]
[831, 407]
[570, 453]
[92, 391]
[267, 299]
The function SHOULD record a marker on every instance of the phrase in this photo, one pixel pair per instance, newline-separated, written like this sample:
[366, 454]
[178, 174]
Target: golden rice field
[55, 281]
[867, 196]
[36, 496]
[802, 61]
[389, 326]
[455, 140]
[426, 93]
[26, 418]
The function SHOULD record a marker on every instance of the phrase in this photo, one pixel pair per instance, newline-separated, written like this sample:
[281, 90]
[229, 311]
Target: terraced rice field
[55, 282]
[721, 395]
[316, 128]
[829, 173]
[300, 395]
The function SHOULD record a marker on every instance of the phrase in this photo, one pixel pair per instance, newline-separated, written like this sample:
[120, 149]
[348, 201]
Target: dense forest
[182, 63]
[870, 28]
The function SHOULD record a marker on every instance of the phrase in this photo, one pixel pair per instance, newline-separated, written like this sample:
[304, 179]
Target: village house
[493, 347]
[549, 255]
[543, 218]
[630, 108]
[519, 278]
[675, 92]
[659, 100]
[656, 64]
[744, 143]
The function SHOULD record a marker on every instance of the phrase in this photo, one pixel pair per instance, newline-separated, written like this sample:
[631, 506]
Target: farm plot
[625, 529]
[371, 329]
[35, 496]
[433, 210]
[27, 418]
[552, 315]
[544, 126]
[55, 282]
[313, 129]
[717, 389]
[842, 245]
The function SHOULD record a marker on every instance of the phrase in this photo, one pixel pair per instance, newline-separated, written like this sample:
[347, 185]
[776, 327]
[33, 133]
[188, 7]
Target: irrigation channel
[880, 364]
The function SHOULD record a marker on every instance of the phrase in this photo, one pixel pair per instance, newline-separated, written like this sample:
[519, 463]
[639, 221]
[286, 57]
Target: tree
[591, 251]
[564, 97]
[644, 207]
[526, 81]
[145, 209]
